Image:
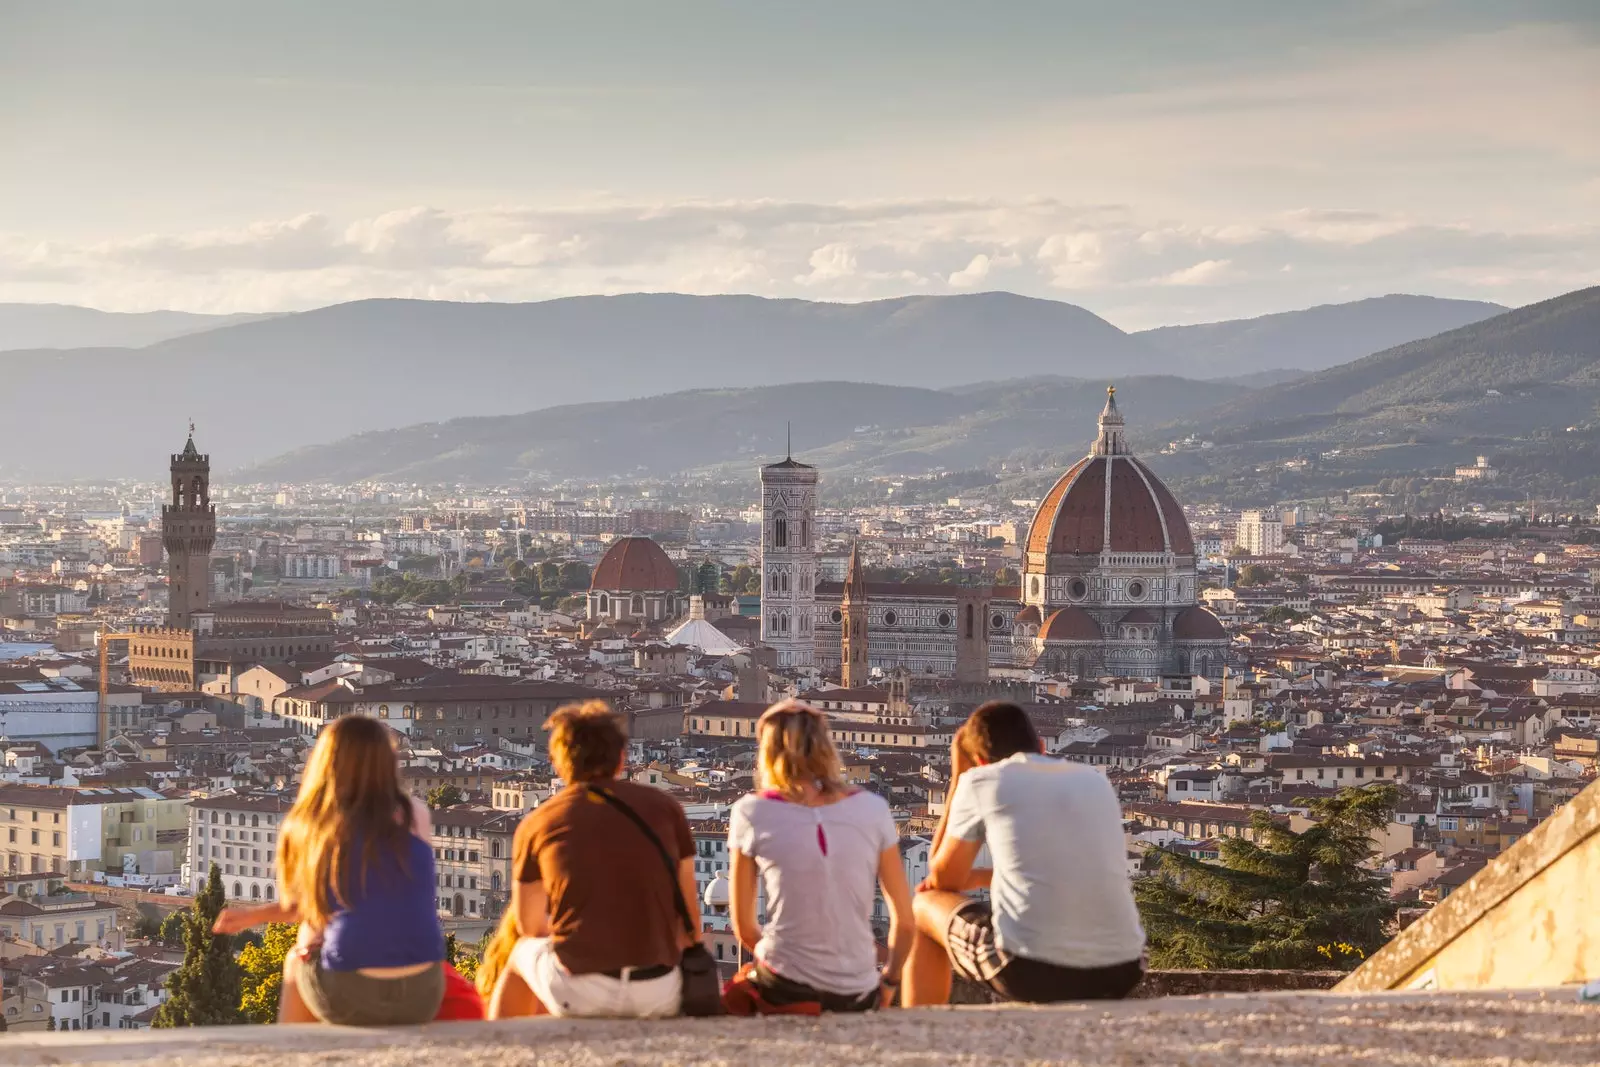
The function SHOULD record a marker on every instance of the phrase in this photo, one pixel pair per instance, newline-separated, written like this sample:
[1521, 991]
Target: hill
[1313, 338]
[316, 376]
[67, 326]
[844, 427]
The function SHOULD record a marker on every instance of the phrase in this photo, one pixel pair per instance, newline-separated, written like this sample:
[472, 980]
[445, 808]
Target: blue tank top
[393, 922]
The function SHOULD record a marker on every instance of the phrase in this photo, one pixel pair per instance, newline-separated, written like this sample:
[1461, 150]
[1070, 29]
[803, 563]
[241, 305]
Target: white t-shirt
[1054, 829]
[819, 867]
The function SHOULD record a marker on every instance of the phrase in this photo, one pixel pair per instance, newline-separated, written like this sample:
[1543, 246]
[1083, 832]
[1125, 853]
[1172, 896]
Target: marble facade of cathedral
[1108, 585]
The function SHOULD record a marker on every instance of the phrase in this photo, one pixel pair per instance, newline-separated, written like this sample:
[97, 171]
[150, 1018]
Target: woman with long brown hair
[355, 869]
[820, 848]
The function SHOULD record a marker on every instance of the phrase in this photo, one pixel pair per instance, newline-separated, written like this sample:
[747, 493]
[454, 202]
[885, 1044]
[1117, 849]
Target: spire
[788, 441]
[855, 579]
[1109, 442]
[189, 451]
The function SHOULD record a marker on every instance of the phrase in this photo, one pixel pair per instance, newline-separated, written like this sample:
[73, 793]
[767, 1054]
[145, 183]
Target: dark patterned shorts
[975, 956]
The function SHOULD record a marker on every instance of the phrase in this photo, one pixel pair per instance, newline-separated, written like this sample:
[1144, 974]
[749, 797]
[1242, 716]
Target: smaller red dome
[635, 565]
[1070, 624]
[1138, 617]
[1028, 616]
[1197, 624]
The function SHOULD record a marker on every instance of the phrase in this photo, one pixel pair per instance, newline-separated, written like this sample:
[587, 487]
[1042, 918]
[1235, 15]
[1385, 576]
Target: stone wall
[1190, 984]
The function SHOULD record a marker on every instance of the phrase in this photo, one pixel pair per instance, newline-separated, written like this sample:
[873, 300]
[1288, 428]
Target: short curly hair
[586, 741]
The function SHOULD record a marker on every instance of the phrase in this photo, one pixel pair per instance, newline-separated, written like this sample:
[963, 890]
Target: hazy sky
[1160, 162]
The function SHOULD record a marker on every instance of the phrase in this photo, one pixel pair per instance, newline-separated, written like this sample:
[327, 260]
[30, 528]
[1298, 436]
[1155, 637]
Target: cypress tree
[204, 991]
[1285, 900]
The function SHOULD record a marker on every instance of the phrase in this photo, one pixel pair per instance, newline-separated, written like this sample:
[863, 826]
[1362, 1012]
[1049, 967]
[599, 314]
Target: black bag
[702, 986]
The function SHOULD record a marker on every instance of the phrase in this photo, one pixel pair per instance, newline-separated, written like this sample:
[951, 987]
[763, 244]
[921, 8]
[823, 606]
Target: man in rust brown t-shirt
[597, 916]
[611, 903]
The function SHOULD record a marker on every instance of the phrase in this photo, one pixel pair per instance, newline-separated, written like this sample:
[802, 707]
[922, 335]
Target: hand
[232, 921]
[887, 994]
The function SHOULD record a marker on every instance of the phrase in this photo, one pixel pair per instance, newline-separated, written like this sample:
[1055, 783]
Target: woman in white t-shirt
[820, 849]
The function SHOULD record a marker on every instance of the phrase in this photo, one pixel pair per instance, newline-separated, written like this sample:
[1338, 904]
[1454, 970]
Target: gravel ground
[1285, 1030]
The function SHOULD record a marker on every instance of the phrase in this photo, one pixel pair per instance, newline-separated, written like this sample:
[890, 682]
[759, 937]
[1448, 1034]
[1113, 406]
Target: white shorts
[592, 995]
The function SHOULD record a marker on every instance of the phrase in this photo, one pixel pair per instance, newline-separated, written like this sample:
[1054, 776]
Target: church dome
[635, 565]
[1109, 501]
[1197, 624]
[1070, 624]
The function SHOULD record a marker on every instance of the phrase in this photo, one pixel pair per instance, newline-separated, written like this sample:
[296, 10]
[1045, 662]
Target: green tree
[261, 972]
[172, 928]
[148, 927]
[204, 991]
[574, 575]
[1300, 901]
[444, 796]
[1256, 574]
[707, 578]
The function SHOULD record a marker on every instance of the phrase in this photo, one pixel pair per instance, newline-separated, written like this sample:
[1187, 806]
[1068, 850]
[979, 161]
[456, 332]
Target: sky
[1155, 162]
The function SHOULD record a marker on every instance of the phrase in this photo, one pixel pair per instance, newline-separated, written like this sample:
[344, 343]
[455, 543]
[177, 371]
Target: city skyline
[1186, 166]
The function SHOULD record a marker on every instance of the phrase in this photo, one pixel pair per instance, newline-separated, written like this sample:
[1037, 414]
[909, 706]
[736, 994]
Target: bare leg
[927, 976]
[513, 998]
[291, 1005]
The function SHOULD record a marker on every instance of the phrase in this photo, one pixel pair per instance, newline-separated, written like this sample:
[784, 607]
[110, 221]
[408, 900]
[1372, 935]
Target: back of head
[349, 793]
[797, 751]
[586, 741]
[998, 730]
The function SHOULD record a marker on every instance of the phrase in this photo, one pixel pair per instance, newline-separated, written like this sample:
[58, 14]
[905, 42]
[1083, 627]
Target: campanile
[188, 530]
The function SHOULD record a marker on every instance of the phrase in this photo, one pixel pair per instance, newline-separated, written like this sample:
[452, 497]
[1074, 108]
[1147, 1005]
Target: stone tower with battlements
[188, 530]
[789, 560]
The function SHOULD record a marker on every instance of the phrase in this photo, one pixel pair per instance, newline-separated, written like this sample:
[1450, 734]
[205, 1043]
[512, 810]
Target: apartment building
[238, 832]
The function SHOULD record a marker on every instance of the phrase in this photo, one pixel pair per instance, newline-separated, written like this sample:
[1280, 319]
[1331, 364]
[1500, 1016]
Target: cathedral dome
[1109, 502]
[1197, 624]
[1070, 624]
[635, 565]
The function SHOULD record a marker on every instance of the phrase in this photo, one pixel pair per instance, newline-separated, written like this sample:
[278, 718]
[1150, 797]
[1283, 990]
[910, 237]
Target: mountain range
[263, 387]
[68, 326]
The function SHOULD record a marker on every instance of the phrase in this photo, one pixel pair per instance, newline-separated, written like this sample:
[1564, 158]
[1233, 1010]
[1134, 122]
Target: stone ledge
[1254, 1030]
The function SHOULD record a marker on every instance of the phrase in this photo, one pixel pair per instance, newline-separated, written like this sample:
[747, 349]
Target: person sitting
[597, 913]
[1061, 923]
[355, 869]
[820, 848]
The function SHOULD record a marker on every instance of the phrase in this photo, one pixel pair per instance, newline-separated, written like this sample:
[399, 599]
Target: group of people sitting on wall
[604, 919]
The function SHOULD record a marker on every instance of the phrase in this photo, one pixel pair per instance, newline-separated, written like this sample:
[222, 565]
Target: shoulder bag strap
[661, 850]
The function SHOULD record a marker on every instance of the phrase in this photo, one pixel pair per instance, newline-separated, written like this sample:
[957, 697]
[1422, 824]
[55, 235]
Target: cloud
[1138, 268]
[1206, 272]
[970, 275]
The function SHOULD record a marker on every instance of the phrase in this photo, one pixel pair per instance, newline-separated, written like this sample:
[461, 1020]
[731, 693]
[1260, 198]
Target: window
[780, 531]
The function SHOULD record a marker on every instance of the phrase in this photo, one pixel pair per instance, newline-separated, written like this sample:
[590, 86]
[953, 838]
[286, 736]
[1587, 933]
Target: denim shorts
[350, 998]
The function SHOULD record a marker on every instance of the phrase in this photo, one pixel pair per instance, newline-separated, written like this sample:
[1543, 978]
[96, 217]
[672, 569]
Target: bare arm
[691, 900]
[239, 917]
[532, 905]
[742, 901]
[951, 868]
[960, 763]
[897, 896]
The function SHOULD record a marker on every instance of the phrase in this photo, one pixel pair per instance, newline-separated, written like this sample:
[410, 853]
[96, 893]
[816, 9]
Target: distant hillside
[66, 326]
[258, 388]
[843, 427]
[1551, 344]
[1313, 338]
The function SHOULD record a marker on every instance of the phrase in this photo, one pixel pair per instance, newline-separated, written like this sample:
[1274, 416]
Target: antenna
[788, 440]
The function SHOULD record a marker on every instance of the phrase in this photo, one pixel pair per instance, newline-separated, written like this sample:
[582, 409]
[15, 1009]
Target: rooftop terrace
[1245, 1030]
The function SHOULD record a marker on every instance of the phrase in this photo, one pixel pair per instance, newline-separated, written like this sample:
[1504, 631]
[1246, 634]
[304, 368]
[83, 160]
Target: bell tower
[188, 530]
[855, 668]
[789, 561]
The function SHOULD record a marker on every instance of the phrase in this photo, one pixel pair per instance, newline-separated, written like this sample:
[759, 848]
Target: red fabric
[740, 996]
[461, 999]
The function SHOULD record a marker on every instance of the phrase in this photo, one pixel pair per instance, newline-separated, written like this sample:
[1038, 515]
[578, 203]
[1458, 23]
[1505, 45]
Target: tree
[204, 991]
[574, 576]
[261, 972]
[1286, 900]
[50, 1023]
[148, 927]
[444, 796]
[1256, 574]
[172, 929]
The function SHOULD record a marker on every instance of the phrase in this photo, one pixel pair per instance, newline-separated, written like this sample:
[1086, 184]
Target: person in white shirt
[820, 848]
[1060, 923]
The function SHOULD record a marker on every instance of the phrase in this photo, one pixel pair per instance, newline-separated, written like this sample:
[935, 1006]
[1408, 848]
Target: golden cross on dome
[1111, 390]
